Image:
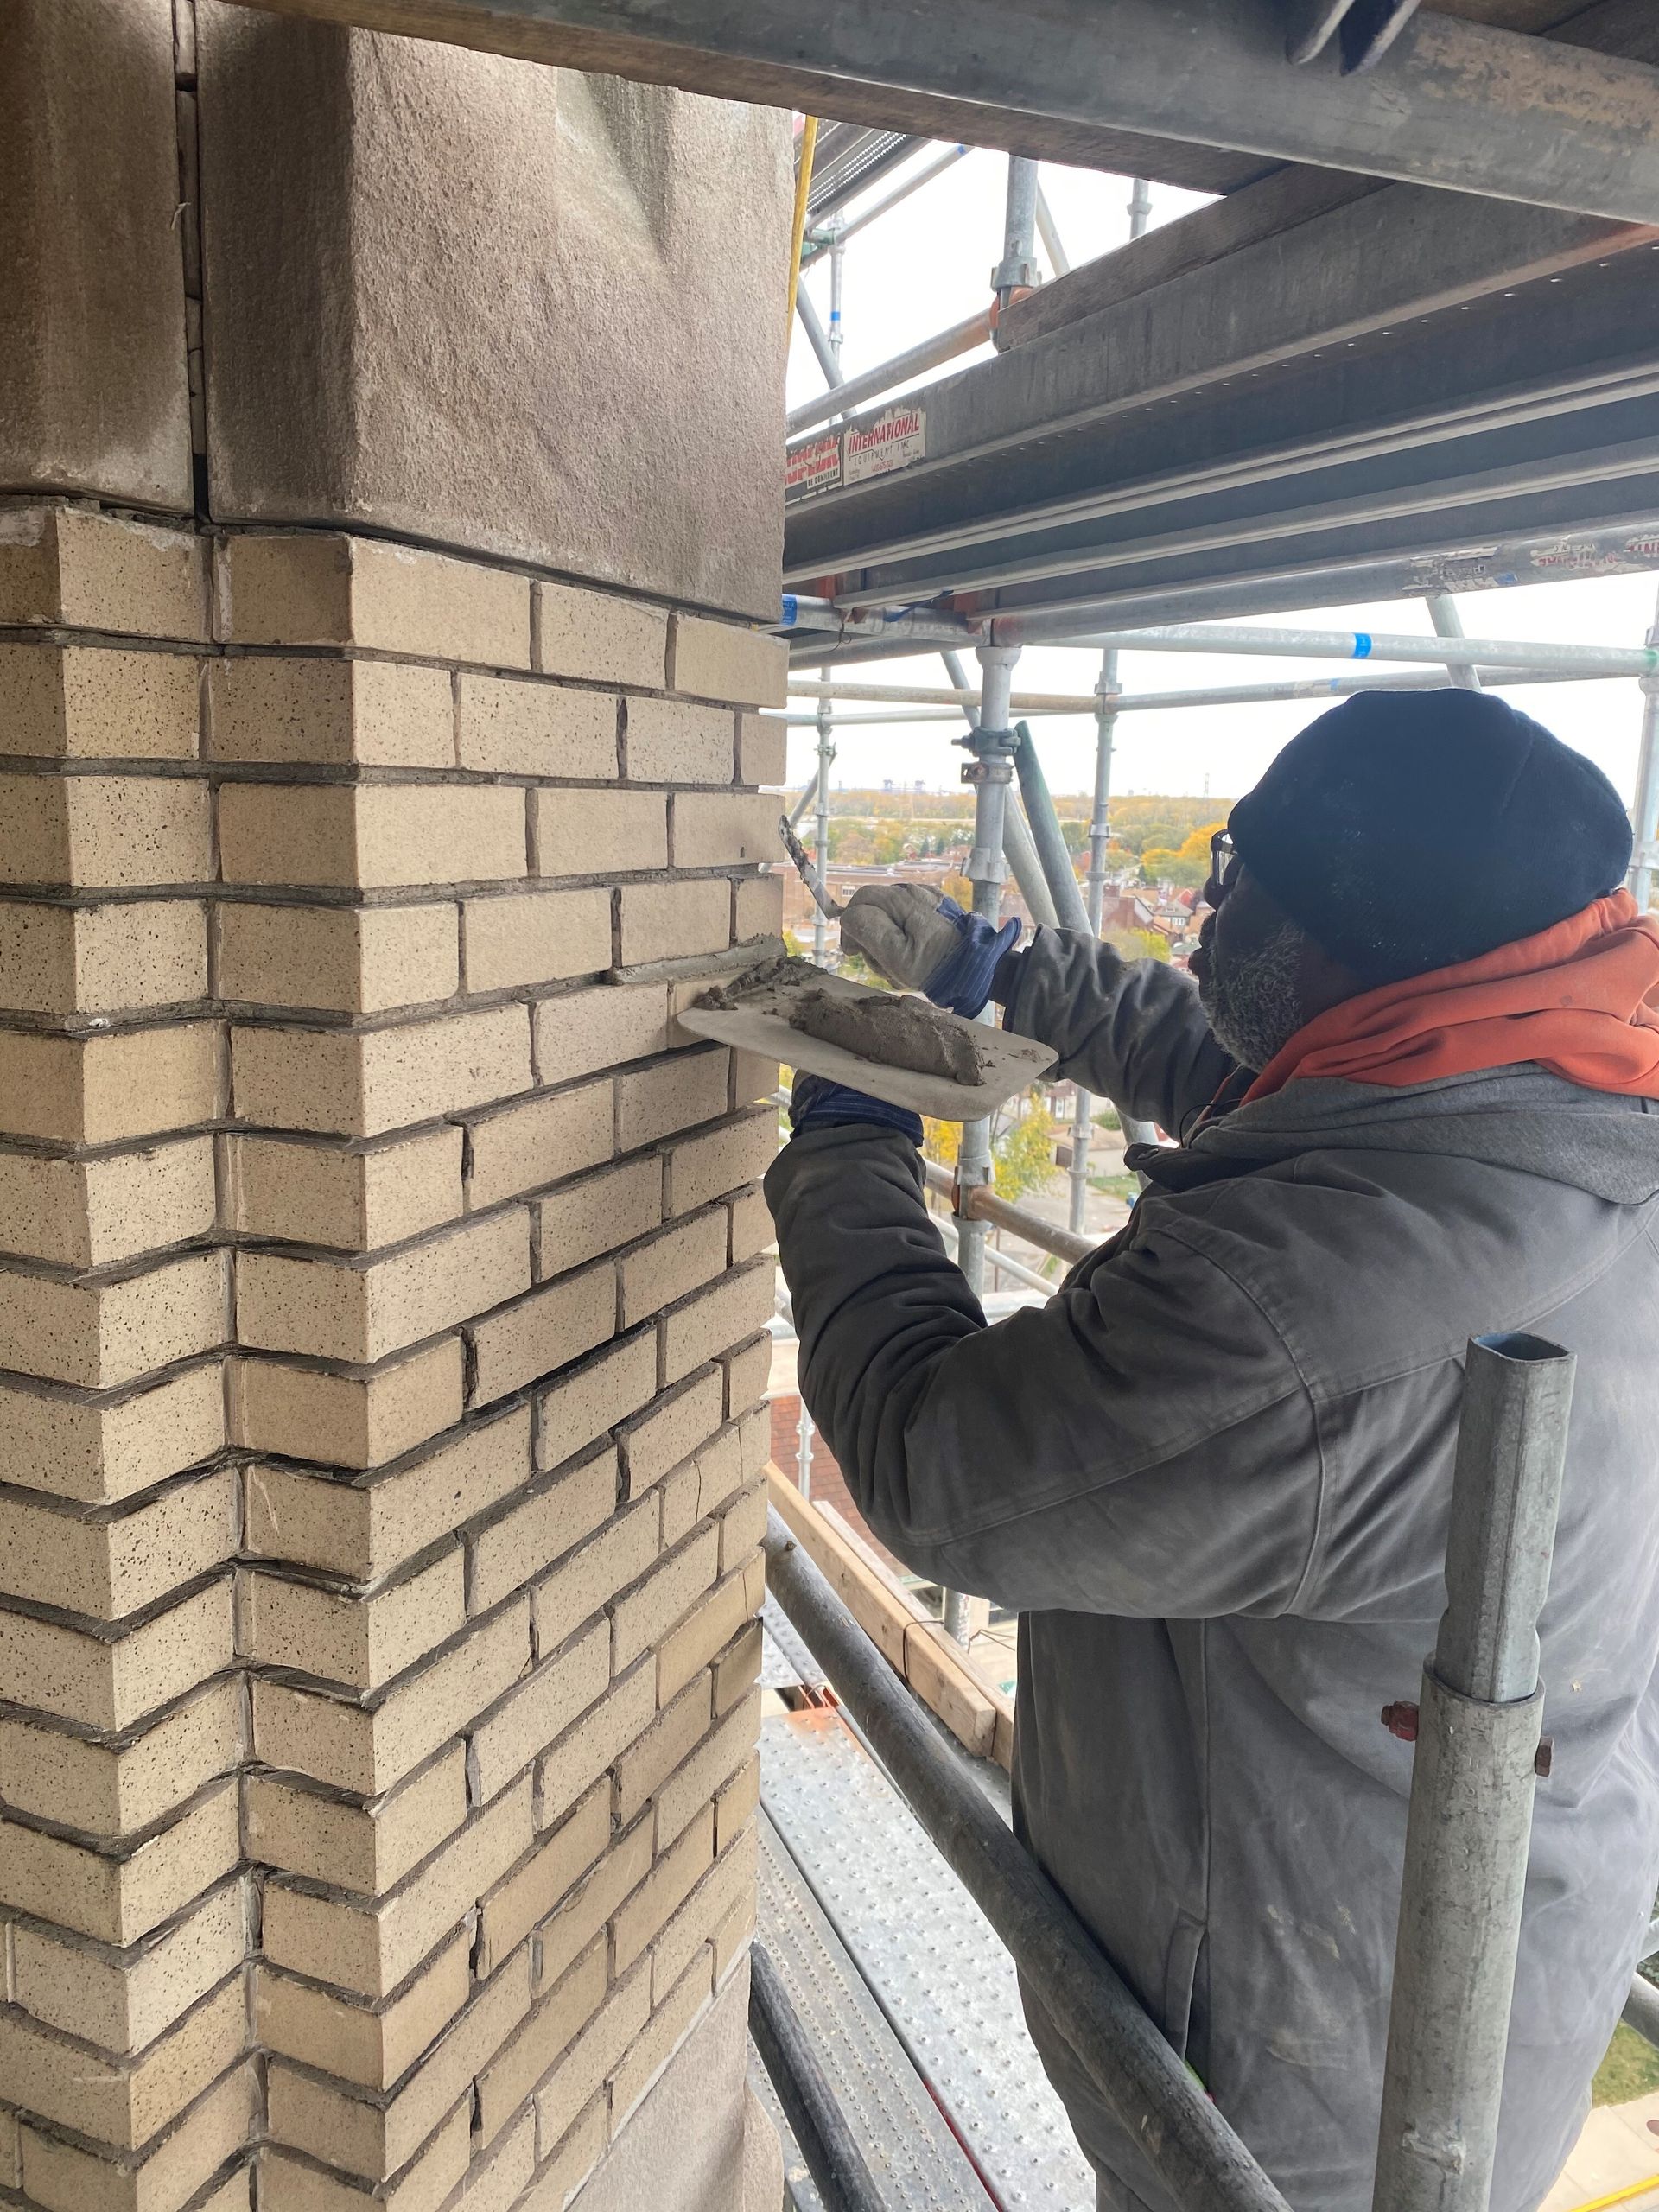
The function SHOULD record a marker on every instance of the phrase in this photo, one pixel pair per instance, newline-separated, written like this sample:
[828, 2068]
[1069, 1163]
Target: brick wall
[379, 1322]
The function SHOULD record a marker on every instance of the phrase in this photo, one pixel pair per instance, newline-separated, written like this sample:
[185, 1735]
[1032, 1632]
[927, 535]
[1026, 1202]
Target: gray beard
[1255, 1004]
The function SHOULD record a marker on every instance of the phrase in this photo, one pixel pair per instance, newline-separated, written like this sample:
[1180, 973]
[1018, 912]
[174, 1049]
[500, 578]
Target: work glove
[815, 1103]
[923, 943]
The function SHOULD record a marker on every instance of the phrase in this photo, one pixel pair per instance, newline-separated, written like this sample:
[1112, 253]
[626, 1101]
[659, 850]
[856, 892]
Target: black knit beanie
[1408, 830]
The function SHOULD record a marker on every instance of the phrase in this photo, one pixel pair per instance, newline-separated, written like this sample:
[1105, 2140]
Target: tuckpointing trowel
[809, 874]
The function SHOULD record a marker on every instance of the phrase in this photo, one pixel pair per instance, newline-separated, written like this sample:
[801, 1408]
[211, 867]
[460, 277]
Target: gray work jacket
[1212, 1474]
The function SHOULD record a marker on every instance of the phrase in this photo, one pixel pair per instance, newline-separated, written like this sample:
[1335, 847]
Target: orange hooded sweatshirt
[1580, 998]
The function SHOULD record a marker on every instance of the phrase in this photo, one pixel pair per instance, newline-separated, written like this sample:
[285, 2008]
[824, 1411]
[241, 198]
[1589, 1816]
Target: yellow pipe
[1620, 2195]
[803, 186]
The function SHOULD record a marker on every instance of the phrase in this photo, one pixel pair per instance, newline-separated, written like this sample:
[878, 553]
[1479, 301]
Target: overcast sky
[926, 266]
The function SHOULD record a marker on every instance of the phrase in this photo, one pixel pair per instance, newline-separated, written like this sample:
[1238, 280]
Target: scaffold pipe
[1562, 660]
[961, 338]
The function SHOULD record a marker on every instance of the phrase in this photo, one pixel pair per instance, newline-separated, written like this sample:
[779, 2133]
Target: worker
[1414, 1093]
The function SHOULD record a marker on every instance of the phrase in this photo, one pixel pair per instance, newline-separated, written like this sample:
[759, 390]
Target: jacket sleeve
[1131, 1031]
[1142, 1445]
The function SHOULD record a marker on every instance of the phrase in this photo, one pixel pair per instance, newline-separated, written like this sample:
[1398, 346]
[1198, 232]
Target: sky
[926, 266]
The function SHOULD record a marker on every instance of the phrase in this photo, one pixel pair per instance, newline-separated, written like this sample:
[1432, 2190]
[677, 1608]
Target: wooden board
[760, 1024]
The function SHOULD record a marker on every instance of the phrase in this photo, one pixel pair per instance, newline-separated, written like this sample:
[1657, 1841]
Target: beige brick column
[497, 1298]
[125, 2039]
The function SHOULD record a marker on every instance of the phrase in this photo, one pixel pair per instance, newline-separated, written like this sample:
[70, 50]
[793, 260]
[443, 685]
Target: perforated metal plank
[915, 2161]
[944, 1981]
[785, 1662]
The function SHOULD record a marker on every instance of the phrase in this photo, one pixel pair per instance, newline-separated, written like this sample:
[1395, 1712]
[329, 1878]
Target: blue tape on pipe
[791, 609]
[1361, 645]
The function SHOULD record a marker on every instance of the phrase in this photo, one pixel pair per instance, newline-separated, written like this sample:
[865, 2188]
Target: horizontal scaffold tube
[1243, 637]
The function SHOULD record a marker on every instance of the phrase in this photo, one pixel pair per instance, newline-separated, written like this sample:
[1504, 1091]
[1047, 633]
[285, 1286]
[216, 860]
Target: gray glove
[900, 931]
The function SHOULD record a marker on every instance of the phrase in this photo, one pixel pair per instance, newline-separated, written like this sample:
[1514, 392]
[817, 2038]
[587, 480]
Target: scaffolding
[1478, 1722]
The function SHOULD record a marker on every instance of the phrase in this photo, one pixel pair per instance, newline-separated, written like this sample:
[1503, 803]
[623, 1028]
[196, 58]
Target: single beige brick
[579, 1030]
[103, 1089]
[102, 1680]
[599, 833]
[573, 2159]
[122, 2003]
[654, 1101]
[369, 2045]
[374, 2137]
[753, 1229]
[370, 836]
[498, 2182]
[686, 1650]
[720, 828]
[738, 1667]
[504, 1554]
[597, 1213]
[719, 1160]
[599, 638]
[313, 1193]
[662, 2035]
[367, 1528]
[668, 742]
[742, 1527]
[363, 1642]
[536, 936]
[265, 707]
[564, 1934]
[713, 1319]
[758, 911]
[715, 1760]
[63, 2177]
[324, 588]
[762, 751]
[748, 1373]
[288, 2185]
[101, 1334]
[673, 1736]
[553, 1326]
[722, 660]
[90, 1213]
[670, 1881]
[537, 1141]
[592, 1577]
[671, 1266]
[720, 1468]
[125, 2103]
[114, 1788]
[665, 921]
[127, 956]
[593, 1397]
[368, 1849]
[362, 1309]
[118, 1899]
[346, 1421]
[734, 1804]
[98, 703]
[727, 1887]
[504, 2086]
[372, 1945]
[509, 728]
[110, 1562]
[346, 959]
[643, 1619]
[595, 2054]
[534, 1888]
[96, 1451]
[115, 832]
[578, 1759]
[669, 1431]
[65, 568]
[337, 1083]
[537, 1709]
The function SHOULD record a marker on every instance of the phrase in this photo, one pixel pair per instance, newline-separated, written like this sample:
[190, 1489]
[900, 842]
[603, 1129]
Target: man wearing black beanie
[1417, 1099]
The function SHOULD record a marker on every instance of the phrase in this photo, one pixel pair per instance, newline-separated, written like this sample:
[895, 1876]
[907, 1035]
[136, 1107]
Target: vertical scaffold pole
[837, 259]
[821, 817]
[991, 774]
[1646, 857]
[1140, 207]
[1469, 1828]
[1017, 271]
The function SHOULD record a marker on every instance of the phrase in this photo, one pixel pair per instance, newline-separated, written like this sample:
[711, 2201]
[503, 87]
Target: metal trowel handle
[808, 874]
